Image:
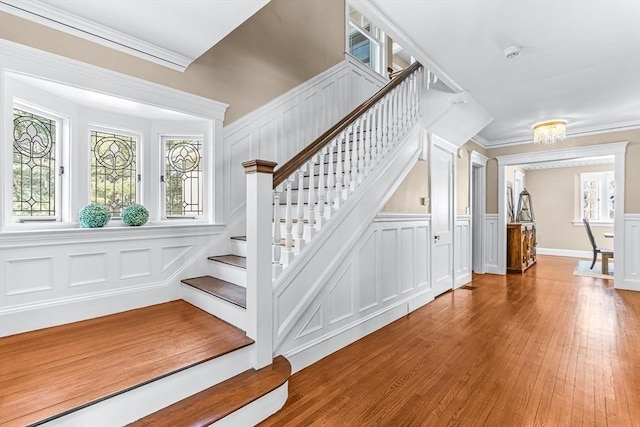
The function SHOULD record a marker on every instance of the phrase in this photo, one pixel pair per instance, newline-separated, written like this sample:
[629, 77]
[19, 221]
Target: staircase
[307, 207]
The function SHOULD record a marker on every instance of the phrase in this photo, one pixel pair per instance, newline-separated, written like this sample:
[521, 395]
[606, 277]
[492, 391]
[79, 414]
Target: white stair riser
[238, 247]
[220, 308]
[228, 273]
[141, 401]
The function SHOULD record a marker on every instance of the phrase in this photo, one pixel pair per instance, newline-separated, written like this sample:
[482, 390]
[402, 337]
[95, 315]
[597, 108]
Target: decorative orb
[93, 216]
[135, 215]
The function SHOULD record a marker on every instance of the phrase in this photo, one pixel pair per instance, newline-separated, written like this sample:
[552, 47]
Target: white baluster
[374, 136]
[339, 177]
[347, 161]
[288, 224]
[356, 177]
[322, 192]
[367, 144]
[276, 266]
[331, 195]
[312, 199]
[300, 212]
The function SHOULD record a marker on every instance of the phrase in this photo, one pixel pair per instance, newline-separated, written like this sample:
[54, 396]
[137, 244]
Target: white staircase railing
[338, 162]
[323, 176]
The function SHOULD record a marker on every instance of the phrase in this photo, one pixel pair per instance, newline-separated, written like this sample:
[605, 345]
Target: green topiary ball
[135, 215]
[93, 216]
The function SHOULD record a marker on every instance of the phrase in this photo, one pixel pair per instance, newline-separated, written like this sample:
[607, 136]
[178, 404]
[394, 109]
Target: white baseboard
[29, 317]
[462, 280]
[310, 353]
[564, 252]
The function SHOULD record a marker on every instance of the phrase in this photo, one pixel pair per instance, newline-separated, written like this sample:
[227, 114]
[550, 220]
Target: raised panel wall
[284, 126]
[385, 274]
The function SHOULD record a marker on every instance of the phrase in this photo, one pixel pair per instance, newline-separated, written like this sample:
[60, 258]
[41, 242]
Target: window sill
[579, 223]
[13, 235]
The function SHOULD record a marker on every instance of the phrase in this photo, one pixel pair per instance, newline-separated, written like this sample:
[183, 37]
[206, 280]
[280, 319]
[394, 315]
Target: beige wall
[281, 46]
[406, 199]
[556, 202]
[632, 170]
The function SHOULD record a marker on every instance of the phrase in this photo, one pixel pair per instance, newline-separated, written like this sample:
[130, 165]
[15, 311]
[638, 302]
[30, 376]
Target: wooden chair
[607, 254]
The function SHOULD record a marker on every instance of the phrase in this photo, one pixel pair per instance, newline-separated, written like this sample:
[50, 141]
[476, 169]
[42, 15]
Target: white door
[442, 187]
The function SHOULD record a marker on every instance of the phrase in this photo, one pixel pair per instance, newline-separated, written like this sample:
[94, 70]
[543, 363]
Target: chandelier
[549, 132]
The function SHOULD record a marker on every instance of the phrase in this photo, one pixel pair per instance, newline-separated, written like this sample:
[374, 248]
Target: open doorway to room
[478, 187]
[563, 185]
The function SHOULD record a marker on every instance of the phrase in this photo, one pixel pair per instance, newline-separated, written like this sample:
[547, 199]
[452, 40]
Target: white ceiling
[579, 61]
[169, 32]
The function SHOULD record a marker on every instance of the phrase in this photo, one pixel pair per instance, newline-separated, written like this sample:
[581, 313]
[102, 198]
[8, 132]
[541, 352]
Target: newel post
[259, 282]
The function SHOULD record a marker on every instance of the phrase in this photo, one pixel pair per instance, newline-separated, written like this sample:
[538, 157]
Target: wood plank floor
[50, 371]
[545, 348]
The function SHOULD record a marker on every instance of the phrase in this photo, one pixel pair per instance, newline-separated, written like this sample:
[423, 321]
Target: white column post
[259, 283]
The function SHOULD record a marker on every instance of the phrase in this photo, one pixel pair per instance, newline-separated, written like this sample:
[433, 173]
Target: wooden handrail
[310, 150]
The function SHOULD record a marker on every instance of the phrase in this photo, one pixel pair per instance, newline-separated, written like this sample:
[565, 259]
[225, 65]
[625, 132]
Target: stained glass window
[183, 176]
[113, 170]
[590, 199]
[34, 165]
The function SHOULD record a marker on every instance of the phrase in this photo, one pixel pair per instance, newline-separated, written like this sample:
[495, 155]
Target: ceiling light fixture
[512, 52]
[549, 132]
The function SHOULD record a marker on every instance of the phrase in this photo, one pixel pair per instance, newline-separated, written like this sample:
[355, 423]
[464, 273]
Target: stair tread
[241, 238]
[222, 289]
[52, 371]
[235, 260]
[214, 403]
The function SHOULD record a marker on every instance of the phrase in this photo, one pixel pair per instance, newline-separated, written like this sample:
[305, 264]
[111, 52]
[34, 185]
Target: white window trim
[62, 147]
[380, 42]
[19, 59]
[163, 184]
[139, 159]
[602, 177]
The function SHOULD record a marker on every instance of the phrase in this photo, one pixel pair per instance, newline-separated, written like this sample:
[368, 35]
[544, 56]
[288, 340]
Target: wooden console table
[521, 246]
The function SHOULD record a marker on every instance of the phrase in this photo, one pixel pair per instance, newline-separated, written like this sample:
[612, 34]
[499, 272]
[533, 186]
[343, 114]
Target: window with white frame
[182, 176]
[36, 165]
[597, 196]
[365, 41]
[114, 174]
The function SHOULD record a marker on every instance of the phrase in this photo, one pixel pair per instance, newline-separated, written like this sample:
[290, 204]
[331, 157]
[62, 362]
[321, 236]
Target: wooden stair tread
[49, 372]
[214, 403]
[241, 238]
[235, 260]
[222, 289]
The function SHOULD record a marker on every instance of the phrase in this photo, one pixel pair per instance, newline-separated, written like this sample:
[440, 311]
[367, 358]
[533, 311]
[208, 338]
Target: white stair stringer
[298, 286]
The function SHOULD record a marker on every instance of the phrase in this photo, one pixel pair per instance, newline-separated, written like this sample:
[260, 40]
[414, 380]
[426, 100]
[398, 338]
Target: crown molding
[52, 17]
[584, 131]
[591, 161]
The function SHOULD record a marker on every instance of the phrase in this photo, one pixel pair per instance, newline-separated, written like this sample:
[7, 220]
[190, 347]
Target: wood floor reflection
[542, 348]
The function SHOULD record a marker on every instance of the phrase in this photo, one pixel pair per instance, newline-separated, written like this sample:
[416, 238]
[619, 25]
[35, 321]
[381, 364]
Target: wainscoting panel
[87, 269]
[391, 255]
[64, 276]
[28, 275]
[491, 244]
[631, 252]
[462, 250]
[284, 126]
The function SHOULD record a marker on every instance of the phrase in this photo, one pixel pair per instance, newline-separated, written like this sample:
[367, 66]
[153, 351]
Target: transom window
[183, 177]
[114, 178]
[35, 152]
[365, 41]
[597, 196]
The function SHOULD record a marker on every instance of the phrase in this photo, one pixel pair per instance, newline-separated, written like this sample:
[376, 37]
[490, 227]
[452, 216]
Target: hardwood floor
[545, 348]
[47, 372]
